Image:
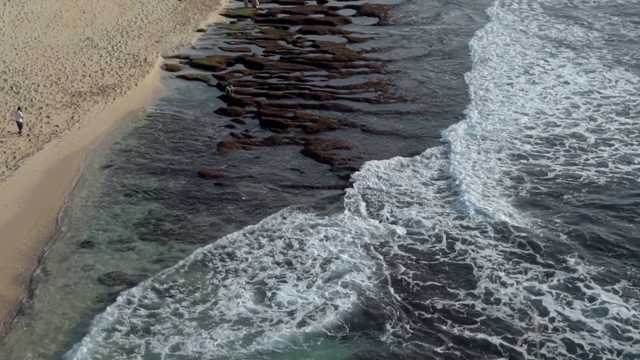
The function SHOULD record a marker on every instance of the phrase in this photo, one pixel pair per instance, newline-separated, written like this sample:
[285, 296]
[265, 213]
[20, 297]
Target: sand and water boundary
[77, 70]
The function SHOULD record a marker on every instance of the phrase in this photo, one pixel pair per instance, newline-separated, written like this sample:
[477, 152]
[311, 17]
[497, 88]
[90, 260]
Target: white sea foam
[551, 107]
[271, 287]
[414, 194]
[541, 110]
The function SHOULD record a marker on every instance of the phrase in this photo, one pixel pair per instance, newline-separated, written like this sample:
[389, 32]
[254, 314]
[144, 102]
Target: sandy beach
[75, 68]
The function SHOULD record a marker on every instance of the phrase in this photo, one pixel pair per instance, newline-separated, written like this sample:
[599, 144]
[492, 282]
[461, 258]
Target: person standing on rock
[19, 117]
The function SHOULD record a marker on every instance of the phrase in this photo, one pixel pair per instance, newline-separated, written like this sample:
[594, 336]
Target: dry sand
[75, 67]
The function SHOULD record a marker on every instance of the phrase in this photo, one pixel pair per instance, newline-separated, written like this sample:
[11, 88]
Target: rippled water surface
[503, 225]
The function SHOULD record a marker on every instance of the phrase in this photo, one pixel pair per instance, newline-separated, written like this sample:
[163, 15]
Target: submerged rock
[322, 151]
[87, 244]
[235, 48]
[119, 278]
[322, 30]
[209, 173]
[337, 186]
[381, 11]
[108, 298]
[239, 121]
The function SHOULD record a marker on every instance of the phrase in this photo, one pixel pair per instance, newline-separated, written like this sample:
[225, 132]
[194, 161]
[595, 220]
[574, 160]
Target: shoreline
[51, 174]
[32, 195]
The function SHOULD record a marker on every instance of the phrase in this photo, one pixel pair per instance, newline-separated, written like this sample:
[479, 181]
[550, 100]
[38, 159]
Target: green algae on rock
[171, 67]
[195, 77]
[239, 13]
[213, 62]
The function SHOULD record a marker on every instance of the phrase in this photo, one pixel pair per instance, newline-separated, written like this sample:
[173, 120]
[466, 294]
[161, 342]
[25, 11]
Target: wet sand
[76, 69]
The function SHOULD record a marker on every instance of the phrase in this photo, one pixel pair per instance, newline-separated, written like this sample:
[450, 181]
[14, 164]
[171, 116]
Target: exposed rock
[177, 56]
[356, 39]
[209, 173]
[270, 46]
[212, 63]
[239, 13]
[224, 78]
[170, 67]
[195, 77]
[290, 67]
[278, 33]
[291, 74]
[304, 20]
[236, 49]
[237, 26]
[253, 62]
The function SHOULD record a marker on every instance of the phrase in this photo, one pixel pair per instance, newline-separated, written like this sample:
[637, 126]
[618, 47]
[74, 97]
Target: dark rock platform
[297, 78]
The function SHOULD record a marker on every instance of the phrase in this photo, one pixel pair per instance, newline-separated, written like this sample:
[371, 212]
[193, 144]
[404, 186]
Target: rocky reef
[297, 73]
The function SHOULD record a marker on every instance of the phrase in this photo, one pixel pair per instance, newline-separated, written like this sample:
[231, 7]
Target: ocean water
[510, 233]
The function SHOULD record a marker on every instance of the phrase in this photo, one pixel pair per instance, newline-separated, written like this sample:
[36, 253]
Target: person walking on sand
[19, 116]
